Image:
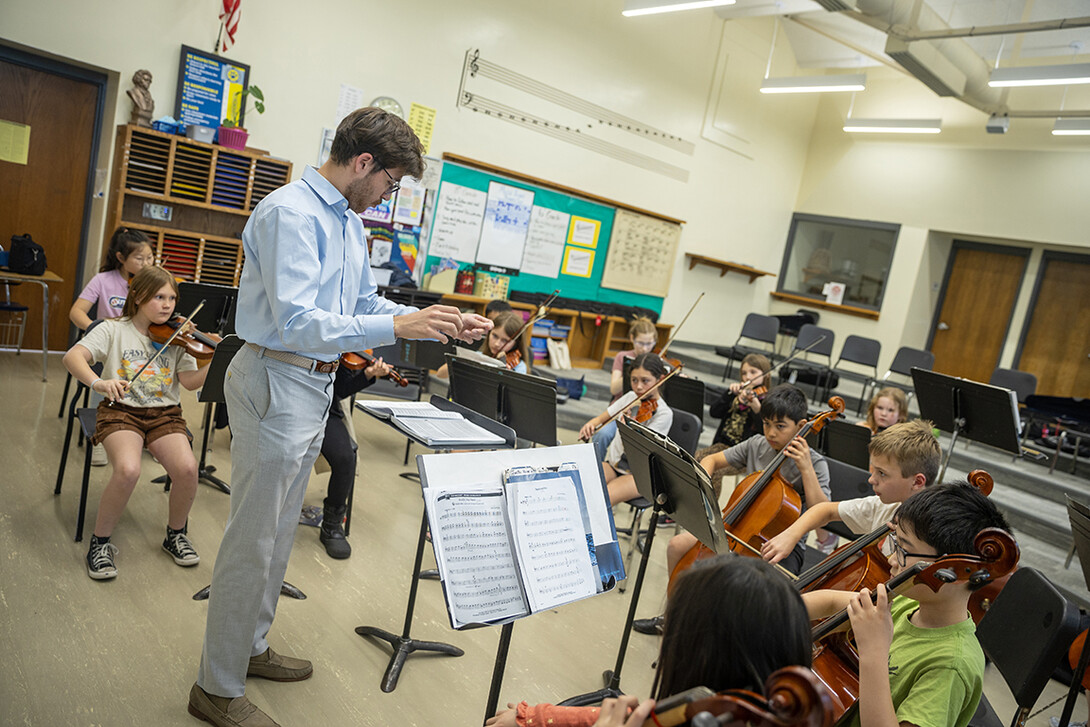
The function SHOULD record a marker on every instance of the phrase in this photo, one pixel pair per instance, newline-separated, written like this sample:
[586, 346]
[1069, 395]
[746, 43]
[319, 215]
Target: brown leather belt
[310, 364]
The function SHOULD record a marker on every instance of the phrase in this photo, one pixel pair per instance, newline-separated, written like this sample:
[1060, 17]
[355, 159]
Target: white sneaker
[98, 456]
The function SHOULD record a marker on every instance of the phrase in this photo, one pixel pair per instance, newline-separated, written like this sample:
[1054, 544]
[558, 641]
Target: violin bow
[673, 335]
[640, 399]
[166, 343]
[757, 553]
[789, 359]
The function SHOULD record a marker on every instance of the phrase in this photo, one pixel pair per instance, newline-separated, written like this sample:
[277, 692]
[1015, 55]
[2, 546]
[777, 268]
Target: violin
[629, 400]
[1073, 655]
[796, 698]
[198, 345]
[836, 661]
[647, 409]
[862, 564]
[513, 358]
[763, 505]
[356, 361]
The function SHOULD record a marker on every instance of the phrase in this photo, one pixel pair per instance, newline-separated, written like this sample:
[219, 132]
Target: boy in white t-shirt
[904, 459]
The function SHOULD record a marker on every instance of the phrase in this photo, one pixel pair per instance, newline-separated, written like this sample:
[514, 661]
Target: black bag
[26, 257]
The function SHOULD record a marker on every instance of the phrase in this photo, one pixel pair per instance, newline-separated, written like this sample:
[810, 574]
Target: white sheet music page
[474, 554]
[551, 542]
[384, 409]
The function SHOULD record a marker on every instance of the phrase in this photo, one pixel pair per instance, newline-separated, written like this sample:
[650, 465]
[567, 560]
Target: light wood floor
[125, 652]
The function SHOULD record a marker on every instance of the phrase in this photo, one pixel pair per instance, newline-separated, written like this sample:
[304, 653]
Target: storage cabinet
[192, 199]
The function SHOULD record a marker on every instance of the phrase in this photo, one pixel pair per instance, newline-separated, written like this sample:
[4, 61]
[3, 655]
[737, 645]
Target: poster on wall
[506, 223]
[458, 217]
[209, 88]
[545, 242]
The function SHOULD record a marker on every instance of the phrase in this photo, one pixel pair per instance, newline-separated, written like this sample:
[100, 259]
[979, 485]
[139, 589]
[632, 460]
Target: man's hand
[615, 712]
[776, 549]
[871, 621]
[439, 322]
[474, 327]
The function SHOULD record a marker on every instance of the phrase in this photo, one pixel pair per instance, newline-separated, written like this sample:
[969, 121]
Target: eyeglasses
[902, 554]
[394, 184]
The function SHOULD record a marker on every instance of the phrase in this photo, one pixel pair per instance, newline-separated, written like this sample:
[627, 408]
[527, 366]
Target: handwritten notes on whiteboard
[642, 251]
[458, 216]
[506, 224]
[545, 242]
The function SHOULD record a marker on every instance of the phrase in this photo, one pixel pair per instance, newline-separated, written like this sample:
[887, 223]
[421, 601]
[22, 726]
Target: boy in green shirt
[920, 665]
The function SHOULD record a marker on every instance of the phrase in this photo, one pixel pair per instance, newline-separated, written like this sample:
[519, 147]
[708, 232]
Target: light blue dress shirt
[306, 285]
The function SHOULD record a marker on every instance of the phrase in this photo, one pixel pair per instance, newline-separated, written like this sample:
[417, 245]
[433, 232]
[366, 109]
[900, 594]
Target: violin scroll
[997, 555]
[982, 481]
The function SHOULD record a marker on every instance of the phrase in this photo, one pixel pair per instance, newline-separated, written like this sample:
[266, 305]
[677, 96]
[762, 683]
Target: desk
[43, 280]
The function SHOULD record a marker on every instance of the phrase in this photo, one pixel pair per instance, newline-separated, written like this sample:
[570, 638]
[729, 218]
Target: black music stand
[676, 484]
[848, 443]
[524, 402]
[404, 645]
[980, 412]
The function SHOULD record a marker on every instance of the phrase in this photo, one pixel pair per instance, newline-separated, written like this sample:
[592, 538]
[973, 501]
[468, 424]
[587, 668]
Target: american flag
[232, 10]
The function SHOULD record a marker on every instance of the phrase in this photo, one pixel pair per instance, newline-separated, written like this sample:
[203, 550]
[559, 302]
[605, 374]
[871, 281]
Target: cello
[763, 504]
[836, 661]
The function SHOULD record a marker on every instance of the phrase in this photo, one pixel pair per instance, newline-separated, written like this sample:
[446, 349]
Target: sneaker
[1055, 722]
[100, 560]
[650, 626]
[223, 712]
[98, 456]
[828, 545]
[179, 547]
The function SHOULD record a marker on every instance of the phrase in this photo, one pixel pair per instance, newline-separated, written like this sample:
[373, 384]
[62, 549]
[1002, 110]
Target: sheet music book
[429, 424]
[509, 549]
[474, 355]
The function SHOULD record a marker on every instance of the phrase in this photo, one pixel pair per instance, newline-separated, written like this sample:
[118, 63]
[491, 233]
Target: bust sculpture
[143, 105]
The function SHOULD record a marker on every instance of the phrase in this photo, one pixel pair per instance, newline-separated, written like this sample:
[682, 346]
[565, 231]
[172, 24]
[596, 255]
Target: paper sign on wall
[422, 121]
[409, 209]
[578, 261]
[584, 232]
[14, 142]
[545, 242]
[506, 223]
[459, 213]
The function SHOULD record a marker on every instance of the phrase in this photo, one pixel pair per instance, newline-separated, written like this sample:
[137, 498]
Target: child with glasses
[921, 665]
[904, 459]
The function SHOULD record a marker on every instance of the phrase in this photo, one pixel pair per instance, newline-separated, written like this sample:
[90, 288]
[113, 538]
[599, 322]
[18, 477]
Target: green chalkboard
[570, 286]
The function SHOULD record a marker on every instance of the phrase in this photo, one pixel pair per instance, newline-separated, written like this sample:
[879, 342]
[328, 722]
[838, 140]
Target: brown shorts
[151, 422]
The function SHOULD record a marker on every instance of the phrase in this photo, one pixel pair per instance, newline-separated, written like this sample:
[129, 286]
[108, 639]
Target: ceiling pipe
[980, 30]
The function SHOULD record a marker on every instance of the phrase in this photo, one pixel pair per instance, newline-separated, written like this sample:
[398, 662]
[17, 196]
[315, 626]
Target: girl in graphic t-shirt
[144, 413]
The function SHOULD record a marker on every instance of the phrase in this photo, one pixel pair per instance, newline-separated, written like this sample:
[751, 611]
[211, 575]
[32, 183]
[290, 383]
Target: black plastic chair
[756, 327]
[904, 361]
[860, 351]
[846, 483]
[821, 340]
[13, 327]
[1022, 383]
[685, 433]
[1026, 633]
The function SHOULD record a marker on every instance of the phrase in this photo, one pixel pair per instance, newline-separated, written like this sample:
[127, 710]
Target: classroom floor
[124, 652]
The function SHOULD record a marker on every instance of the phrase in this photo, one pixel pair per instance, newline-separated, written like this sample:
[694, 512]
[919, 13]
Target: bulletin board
[209, 88]
[642, 251]
[565, 243]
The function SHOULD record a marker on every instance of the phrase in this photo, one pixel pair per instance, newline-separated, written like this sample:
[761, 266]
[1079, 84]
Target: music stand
[218, 313]
[980, 412]
[848, 443]
[404, 645]
[1079, 515]
[523, 402]
[211, 395]
[676, 484]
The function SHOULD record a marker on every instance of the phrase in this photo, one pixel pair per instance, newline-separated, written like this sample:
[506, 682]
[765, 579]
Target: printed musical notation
[642, 251]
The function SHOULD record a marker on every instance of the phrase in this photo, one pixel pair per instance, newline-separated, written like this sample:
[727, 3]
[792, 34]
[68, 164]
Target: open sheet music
[516, 547]
[429, 424]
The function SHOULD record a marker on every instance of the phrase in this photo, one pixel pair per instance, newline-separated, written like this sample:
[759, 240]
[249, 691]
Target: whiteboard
[545, 242]
[506, 223]
[642, 251]
[458, 216]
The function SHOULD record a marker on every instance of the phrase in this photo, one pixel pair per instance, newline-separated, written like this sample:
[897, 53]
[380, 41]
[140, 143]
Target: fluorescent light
[633, 8]
[1071, 127]
[1041, 75]
[815, 84]
[894, 126]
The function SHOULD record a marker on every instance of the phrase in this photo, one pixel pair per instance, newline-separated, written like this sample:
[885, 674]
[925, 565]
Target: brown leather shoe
[278, 668]
[238, 712]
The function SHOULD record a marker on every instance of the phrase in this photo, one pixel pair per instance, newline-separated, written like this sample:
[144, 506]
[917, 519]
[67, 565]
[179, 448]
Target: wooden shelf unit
[589, 345]
[725, 267]
[211, 191]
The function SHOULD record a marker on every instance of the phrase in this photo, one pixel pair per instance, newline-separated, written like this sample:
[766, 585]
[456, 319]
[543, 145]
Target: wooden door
[978, 297]
[1056, 348]
[47, 196]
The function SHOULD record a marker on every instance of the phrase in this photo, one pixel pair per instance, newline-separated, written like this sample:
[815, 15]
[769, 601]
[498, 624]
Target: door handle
[943, 326]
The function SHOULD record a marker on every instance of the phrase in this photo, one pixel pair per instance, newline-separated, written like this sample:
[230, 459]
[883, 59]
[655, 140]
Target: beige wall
[765, 158]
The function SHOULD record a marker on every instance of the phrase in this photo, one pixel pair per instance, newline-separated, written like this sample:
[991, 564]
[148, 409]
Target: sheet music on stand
[430, 425]
[516, 533]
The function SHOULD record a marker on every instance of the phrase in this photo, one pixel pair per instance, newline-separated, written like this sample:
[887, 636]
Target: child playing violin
[129, 251]
[643, 336]
[647, 370]
[739, 410]
[733, 622]
[501, 343]
[922, 665]
[904, 459]
[142, 413]
[888, 407]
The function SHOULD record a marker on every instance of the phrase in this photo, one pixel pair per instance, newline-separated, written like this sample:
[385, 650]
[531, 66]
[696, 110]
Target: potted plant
[231, 134]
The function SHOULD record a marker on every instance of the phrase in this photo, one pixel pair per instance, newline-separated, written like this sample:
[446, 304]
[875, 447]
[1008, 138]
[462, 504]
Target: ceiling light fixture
[893, 126]
[633, 8]
[1071, 127]
[1069, 74]
[815, 84]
